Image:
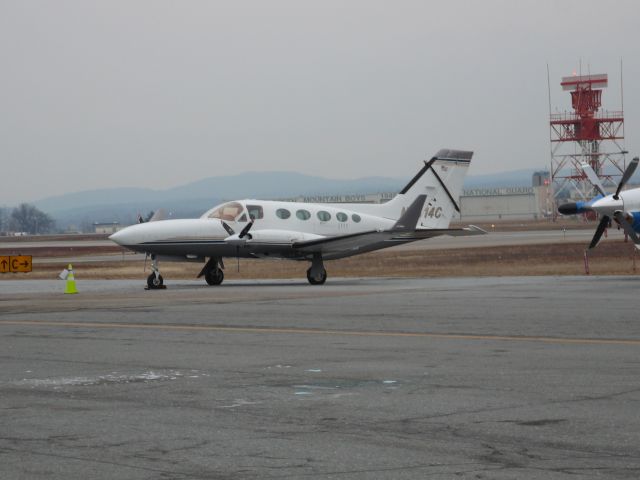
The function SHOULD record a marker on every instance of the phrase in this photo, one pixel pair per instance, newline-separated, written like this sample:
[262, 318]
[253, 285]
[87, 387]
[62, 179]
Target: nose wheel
[155, 280]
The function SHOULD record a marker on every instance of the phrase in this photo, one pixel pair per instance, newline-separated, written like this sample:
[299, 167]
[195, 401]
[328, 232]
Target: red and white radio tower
[586, 135]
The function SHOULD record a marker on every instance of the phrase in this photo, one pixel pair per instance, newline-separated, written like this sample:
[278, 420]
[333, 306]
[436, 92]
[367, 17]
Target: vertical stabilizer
[440, 180]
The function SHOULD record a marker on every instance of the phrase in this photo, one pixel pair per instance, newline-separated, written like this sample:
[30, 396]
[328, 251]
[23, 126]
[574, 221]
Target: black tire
[153, 282]
[314, 281]
[214, 277]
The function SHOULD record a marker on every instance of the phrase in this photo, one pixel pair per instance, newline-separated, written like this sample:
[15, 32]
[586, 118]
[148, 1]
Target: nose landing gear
[155, 280]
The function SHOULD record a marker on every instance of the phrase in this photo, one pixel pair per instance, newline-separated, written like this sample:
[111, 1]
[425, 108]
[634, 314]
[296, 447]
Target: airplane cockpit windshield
[230, 212]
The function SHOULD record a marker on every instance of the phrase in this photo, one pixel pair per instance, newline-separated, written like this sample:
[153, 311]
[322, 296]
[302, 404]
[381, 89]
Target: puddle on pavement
[111, 378]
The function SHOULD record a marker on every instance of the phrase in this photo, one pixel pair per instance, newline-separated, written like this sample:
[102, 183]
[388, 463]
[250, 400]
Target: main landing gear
[214, 275]
[155, 280]
[316, 274]
[212, 271]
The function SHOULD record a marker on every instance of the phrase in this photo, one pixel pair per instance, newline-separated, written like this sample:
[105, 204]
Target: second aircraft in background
[623, 207]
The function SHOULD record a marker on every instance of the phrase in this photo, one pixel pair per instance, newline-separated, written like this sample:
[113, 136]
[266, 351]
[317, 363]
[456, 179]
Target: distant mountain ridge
[251, 184]
[192, 199]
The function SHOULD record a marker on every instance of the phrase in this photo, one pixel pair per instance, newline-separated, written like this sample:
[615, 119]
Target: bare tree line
[25, 218]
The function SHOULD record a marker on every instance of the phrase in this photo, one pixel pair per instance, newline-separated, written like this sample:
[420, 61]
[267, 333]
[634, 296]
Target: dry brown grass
[610, 258]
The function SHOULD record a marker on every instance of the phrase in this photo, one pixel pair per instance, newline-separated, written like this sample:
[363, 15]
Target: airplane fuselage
[276, 226]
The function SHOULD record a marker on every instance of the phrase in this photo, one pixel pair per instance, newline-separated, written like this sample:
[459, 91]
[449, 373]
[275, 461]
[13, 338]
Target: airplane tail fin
[409, 219]
[440, 181]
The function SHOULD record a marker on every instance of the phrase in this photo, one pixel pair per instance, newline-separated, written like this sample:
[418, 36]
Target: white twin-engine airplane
[307, 231]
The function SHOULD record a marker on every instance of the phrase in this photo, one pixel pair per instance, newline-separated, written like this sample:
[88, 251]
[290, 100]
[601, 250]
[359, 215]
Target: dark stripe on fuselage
[184, 242]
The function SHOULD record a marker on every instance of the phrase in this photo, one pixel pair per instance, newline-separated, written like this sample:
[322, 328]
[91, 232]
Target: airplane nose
[121, 237]
[607, 205]
[116, 237]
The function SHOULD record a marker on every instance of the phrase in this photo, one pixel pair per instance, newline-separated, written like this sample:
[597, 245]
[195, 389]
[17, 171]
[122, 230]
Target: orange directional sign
[19, 263]
[4, 264]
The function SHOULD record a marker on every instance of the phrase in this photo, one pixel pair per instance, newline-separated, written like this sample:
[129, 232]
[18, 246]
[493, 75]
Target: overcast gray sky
[98, 94]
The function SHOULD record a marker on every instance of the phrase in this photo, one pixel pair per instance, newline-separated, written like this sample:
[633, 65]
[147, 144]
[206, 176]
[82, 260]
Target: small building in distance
[106, 228]
[508, 203]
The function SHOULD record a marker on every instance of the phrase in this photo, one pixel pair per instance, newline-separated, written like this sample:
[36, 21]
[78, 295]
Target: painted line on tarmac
[315, 331]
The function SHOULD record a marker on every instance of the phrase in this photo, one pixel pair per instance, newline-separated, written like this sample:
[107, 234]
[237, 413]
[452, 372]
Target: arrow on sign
[20, 263]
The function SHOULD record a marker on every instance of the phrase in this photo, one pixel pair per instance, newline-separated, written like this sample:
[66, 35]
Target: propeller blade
[245, 231]
[593, 178]
[604, 223]
[228, 228]
[628, 173]
[620, 218]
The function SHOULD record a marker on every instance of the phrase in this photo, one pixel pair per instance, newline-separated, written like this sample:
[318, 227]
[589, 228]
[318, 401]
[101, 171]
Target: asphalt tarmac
[376, 378]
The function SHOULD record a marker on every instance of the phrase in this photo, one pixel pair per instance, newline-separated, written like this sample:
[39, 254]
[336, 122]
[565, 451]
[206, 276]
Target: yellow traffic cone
[71, 282]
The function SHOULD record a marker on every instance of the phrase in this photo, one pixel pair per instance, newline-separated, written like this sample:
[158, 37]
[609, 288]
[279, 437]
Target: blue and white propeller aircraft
[307, 231]
[623, 207]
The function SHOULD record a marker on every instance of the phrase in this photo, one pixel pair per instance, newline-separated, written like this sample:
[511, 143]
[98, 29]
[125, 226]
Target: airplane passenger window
[283, 213]
[303, 215]
[342, 217]
[324, 216]
[255, 212]
[228, 211]
[356, 218]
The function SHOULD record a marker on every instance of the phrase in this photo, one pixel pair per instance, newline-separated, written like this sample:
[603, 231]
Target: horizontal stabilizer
[466, 231]
[457, 155]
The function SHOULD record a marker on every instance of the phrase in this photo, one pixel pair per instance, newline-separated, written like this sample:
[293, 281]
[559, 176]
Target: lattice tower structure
[587, 134]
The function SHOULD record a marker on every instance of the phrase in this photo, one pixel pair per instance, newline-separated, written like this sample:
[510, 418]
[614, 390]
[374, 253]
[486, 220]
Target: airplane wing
[347, 245]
